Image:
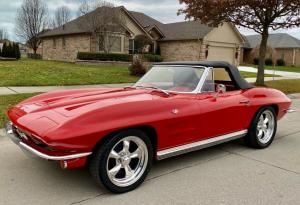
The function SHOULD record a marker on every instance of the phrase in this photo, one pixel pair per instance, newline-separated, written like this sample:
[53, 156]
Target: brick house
[280, 46]
[183, 41]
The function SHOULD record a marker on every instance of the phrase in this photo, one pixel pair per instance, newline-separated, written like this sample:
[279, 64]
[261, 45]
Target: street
[230, 173]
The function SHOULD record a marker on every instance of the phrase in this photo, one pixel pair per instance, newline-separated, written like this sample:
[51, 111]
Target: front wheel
[122, 163]
[263, 129]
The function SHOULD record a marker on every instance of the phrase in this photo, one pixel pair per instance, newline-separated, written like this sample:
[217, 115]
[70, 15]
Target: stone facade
[181, 50]
[65, 48]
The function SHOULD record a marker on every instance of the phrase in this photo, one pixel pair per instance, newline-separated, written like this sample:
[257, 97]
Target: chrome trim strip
[290, 110]
[55, 158]
[26, 148]
[199, 145]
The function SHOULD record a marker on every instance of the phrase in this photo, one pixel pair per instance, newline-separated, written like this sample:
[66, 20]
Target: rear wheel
[122, 163]
[263, 128]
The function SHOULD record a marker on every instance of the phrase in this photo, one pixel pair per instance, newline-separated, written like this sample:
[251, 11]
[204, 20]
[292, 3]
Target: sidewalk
[271, 72]
[42, 89]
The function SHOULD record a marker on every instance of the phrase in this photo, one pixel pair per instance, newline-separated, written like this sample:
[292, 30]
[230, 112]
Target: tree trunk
[260, 81]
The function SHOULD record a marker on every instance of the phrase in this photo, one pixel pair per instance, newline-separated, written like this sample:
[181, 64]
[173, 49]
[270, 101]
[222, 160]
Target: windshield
[178, 79]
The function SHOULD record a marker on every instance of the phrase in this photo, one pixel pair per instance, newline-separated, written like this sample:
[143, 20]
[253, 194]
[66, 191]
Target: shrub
[17, 51]
[256, 61]
[4, 50]
[10, 50]
[158, 51]
[104, 56]
[269, 61]
[153, 58]
[137, 67]
[280, 62]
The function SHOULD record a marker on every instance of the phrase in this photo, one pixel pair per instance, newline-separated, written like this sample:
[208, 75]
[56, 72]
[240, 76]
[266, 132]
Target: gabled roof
[188, 30]
[278, 40]
[76, 26]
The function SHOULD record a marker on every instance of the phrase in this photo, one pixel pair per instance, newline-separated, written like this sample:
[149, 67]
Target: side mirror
[221, 89]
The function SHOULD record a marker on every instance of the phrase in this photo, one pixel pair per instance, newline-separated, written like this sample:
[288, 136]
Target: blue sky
[163, 10]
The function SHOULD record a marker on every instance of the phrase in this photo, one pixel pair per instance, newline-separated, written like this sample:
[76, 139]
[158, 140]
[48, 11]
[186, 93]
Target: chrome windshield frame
[200, 83]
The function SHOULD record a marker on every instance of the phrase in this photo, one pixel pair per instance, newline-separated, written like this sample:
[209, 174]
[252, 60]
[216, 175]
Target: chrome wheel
[127, 161]
[265, 127]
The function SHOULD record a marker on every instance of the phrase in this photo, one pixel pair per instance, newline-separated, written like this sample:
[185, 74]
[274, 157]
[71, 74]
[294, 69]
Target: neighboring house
[280, 46]
[184, 41]
[23, 49]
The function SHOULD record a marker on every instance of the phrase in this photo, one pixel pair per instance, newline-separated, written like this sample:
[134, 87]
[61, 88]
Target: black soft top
[232, 70]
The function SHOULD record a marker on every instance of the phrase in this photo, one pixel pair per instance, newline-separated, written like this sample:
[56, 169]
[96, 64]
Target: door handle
[246, 102]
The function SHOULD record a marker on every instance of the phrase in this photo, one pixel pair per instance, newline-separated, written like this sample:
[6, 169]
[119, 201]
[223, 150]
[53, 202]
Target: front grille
[27, 137]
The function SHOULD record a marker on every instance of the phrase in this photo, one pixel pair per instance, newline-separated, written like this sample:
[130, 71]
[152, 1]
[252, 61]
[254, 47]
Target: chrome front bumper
[35, 153]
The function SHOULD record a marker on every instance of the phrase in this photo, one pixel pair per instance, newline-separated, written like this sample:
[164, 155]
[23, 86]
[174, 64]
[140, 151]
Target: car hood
[73, 102]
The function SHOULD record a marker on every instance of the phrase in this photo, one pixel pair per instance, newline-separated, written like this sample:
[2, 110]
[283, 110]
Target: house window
[115, 43]
[54, 43]
[63, 42]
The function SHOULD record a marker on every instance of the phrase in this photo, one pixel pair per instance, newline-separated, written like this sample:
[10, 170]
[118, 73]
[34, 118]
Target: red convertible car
[174, 109]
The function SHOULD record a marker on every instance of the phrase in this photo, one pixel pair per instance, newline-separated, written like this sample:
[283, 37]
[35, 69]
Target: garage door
[221, 54]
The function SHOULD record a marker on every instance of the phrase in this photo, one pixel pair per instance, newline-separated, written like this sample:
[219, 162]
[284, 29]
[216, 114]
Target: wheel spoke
[261, 119]
[114, 154]
[135, 154]
[265, 132]
[266, 120]
[128, 171]
[126, 145]
[115, 170]
[260, 133]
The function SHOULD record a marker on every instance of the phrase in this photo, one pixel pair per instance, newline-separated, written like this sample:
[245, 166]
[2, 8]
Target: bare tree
[61, 17]
[32, 19]
[3, 34]
[104, 20]
[260, 16]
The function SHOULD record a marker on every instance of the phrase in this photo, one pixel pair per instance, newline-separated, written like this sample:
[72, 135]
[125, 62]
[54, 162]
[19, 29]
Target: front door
[221, 113]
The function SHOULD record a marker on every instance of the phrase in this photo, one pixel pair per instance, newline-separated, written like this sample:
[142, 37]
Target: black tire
[98, 162]
[252, 138]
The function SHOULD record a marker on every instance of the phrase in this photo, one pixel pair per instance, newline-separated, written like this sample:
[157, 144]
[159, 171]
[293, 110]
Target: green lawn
[253, 75]
[7, 101]
[280, 68]
[28, 72]
[286, 86]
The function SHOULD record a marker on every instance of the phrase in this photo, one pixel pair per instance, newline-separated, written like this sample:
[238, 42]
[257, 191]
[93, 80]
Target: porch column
[133, 46]
[154, 46]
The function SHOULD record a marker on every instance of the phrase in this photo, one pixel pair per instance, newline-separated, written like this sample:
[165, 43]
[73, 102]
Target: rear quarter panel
[261, 97]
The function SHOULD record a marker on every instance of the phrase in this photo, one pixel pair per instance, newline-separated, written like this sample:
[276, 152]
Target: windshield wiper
[155, 88]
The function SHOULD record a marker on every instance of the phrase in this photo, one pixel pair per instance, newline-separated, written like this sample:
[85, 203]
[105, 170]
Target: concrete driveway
[227, 174]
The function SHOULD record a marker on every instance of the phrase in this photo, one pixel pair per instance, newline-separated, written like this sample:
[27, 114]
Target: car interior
[219, 76]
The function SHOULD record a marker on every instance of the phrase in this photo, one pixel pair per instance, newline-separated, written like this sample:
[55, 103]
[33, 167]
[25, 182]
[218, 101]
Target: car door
[221, 113]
